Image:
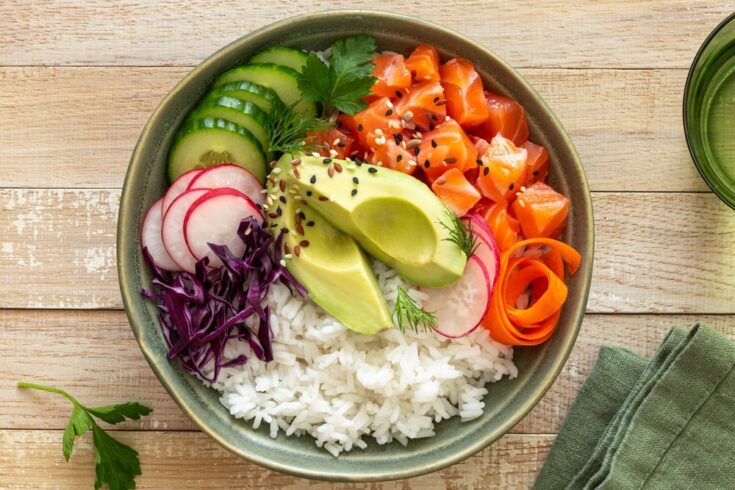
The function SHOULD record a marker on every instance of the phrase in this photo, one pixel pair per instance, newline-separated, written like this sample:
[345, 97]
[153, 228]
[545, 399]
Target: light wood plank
[33, 460]
[656, 253]
[610, 33]
[93, 354]
[638, 144]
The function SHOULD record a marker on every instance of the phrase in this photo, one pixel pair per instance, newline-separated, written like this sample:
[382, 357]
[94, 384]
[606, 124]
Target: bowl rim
[546, 378]
[685, 118]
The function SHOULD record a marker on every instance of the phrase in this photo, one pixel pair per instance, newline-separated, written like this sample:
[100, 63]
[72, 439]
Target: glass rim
[685, 118]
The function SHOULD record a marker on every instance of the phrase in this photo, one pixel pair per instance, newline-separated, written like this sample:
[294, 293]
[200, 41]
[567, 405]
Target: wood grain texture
[637, 146]
[74, 349]
[647, 259]
[610, 33]
[33, 460]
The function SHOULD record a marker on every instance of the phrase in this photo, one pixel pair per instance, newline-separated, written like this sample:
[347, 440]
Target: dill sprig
[407, 313]
[462, 236]
[287, 129]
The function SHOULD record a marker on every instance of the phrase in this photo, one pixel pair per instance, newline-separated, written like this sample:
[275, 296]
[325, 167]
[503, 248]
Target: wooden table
[78, 80]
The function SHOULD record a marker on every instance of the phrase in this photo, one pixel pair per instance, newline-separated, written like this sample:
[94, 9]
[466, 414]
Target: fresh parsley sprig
[288, 129]
[462, 236]
[407, 313]
[341, 84]
[117, 465]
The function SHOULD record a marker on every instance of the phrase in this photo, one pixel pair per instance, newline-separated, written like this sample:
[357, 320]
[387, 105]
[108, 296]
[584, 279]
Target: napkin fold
[667, 422]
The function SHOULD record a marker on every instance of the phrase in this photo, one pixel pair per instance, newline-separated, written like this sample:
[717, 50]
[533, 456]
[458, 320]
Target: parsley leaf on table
[117, 465]
[343, 82]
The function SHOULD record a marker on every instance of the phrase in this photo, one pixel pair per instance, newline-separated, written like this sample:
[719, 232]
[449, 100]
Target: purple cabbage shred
[201, 312]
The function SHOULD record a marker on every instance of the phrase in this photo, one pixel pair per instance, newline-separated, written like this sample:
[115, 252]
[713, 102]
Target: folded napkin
[665, 423]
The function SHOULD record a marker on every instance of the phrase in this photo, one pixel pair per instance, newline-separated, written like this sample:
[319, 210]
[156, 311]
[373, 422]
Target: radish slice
[150, 238]
[214, 218]
[178, 187]
[232, 176]
[460, 307]
[172, 229]
[487, 248]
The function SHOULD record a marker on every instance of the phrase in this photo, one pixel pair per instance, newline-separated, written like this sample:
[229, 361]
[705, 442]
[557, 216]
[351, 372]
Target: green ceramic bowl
[508, 401]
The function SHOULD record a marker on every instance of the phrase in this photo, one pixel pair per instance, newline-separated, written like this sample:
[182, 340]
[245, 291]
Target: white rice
[342, 387]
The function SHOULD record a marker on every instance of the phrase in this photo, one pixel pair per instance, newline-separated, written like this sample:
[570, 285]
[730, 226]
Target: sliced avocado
[326, 261]
[393, 216]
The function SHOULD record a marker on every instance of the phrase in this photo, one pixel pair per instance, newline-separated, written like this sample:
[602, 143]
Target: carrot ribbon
[544, 275]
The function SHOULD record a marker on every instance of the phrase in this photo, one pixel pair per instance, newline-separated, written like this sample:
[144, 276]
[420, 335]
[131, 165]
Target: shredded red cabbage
[201, 312]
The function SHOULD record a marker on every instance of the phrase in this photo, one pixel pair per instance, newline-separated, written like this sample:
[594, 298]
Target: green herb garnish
[462, 236]
[116, 464]
[408, 313]
[343, 82]
[288, 129]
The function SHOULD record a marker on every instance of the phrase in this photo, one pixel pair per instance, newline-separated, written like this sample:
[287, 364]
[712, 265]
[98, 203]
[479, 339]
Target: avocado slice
[328, 262]
[394, 217]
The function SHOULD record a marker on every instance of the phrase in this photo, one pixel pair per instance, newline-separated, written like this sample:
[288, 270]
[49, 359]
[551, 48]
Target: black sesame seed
[359, 127]
[398, 137]
[313, 179]
[436, 99]
[284, 230]
[282, 199]
[310, 223]
[389, 112]
[511, 186]
[354, 192]
[434, 144]
[355, 180]
[399, 158]
[308, 193]
[372, 170]
[279, 211]
[399, 94]
[485, 170]
[327, 160]
[358, 162]
[302, 215]
[273, 225]
[427, 164]
[479, 162]
[416, 150]
[341, 145]
[431, 126]
[535, 172]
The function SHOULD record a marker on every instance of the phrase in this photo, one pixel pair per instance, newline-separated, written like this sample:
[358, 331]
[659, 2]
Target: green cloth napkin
[665, 423]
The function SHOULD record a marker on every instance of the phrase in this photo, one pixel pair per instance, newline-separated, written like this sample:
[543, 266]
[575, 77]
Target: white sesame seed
[427, 77]
[315, 154]
[447, 118]
[412, 163]
[389, 104]
[288, 256]
[521, 203]
[248, 231]
[379, 132]
[336, 142]
[379, 164]
[277, 170]
[283, 263]
[333, 153]
[269, 201]
[264, 191]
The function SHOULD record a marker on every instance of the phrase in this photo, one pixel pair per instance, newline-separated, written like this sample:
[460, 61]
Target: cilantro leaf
[314, 80]
[351, 55]
[341, 84]
[114, 414]
[79, 423]
[117, 465]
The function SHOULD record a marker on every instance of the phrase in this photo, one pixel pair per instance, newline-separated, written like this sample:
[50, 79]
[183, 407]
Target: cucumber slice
[244, 114]
[282, 79]
[259, 95]
[281, 56]
[202, 143]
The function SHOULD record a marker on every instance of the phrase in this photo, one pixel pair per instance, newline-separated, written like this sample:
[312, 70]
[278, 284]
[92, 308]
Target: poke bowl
[348, 352]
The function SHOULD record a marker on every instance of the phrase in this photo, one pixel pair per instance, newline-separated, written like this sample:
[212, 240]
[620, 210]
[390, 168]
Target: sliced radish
[172, 229]
[460, 307]
[232, 176]
[178, 187]
[150, 237]
[487, 248]
[214, 218]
